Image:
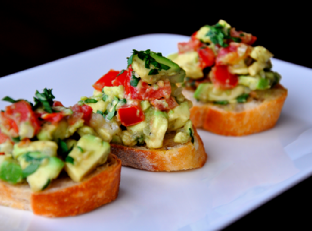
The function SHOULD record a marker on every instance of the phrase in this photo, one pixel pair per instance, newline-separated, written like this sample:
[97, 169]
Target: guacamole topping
[223, 67]
[40, 140]
[141, 104]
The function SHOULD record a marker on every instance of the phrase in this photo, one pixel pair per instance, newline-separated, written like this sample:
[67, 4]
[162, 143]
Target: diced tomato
[54, 117]
[3, 137]
[193, 45]
[57, 103]
[246, 38]
[164, 104]
[206, 57]
[80, 112]
[106, 80]
[121, 79]
[18, 113]
[9, 124]
[130, 115]
[230, 55]
[147, 92]
[221, 77]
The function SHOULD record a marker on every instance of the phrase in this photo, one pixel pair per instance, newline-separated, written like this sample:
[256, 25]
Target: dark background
[40, 31]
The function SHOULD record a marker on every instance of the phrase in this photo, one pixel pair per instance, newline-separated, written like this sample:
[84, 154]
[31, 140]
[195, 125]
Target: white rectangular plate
[241, 172]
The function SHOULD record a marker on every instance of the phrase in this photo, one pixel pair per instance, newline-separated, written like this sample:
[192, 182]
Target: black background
[37, 32]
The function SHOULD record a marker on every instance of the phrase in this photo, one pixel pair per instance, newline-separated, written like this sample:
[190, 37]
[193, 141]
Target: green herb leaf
[46, 184]
[63, 150]
[242, 98]
[10, 172]
[191, 135]
[30, 169]
[33, 159]
[112, 113]
[16, 139]
[44, 99]
[130, 60]
[9, 99]
[153, 72]
[122, 71]
[80, 148]
[69, 159]
[91, 101]
[124, 101]
[134, 81]
[221, 102]
[104, 97]
[80, 102]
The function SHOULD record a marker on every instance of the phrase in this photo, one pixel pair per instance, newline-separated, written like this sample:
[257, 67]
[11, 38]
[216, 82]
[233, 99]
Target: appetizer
[230, 82]
[49, 164]
[145, 116]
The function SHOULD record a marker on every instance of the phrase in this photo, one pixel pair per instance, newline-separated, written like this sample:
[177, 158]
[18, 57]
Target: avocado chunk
[89, 152]
[40, 169]
[263, 81]
[156, 129]
[10, 170]
[151, 67]
[206, 92]
[178, 116]
[49, 148]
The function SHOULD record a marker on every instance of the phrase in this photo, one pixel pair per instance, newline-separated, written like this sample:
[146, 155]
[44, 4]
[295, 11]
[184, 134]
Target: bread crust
[256, 116]
[171, 157]
[65, 197]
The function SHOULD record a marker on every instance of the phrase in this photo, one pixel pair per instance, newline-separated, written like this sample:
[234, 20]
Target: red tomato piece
[8, 124]
[206, 57]
[54, 117]
[106, 80]
[164, 104]
[3, 137]
[57, 103]
[246, 38]
[130, 115]
[193, 45]
[80, 112]
[230, 55]
[21, 111]
[121, 79]
[147, 92]
[223, 78]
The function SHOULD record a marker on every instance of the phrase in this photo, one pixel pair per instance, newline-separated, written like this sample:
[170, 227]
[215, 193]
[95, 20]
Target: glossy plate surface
[241, 172]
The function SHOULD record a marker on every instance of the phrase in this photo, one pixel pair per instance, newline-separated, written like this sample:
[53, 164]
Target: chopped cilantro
[69, 159]
[104, 97]
[30, 169]
[218, 33]
[153, 72]
[112, 113]
[134, 81]
[80, 148]
[46, 184]
[123, 101]
[63, 150]
[28, 158]
[242, 98]
[9, 99]
[191, 135]
[122, 71]
[44, 99]
[91, 101]
[149, 60]
[16, 139]
[80, 102]
[221, 102]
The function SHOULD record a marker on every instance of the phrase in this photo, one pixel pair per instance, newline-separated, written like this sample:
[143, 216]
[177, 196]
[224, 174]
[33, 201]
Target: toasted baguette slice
[171, 157]
[64, 197]
[241, 119]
